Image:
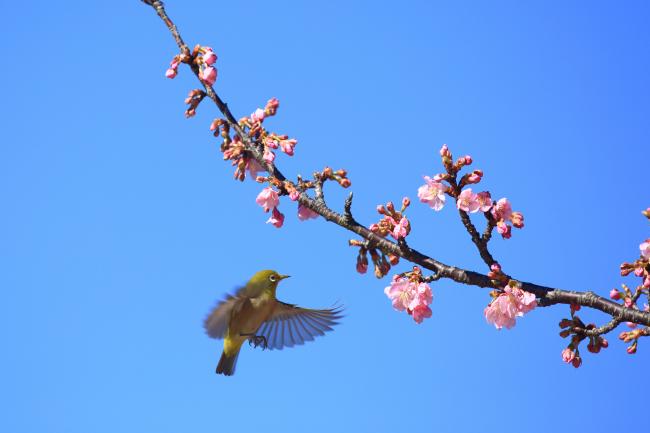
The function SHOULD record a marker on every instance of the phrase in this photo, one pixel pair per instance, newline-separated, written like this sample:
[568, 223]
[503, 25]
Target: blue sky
[121, 226]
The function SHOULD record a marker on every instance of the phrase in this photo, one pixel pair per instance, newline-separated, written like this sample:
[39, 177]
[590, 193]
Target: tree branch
[547, 295]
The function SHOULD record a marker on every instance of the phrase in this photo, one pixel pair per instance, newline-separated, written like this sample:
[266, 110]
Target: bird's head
[267, 279]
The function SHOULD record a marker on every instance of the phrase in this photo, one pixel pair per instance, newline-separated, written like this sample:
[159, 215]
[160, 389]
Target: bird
[254, 313]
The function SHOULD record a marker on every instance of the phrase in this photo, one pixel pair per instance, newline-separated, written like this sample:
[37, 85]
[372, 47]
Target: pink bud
[258, 115]
[209, 58]
[269, 156]
[293, 195]
[444, 151]
[615, 294]
[495, 267]
[171, 73]
[628, 302]
[631, 325]
[638, 272]
[277, 218]
[304, 213]
[577, 362]
[632, 349]
[568, 355]
[209, 75]
[468, 160]
[288, 145]
[517, 219]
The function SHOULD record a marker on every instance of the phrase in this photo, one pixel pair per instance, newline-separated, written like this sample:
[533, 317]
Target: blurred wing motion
[290, 325]
[216, 323]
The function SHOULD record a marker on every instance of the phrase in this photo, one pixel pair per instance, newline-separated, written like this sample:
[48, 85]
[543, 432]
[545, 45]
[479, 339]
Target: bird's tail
[227, 363]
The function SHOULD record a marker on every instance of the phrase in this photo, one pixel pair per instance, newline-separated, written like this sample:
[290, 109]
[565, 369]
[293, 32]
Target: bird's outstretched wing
[216, 323]
[290, 325]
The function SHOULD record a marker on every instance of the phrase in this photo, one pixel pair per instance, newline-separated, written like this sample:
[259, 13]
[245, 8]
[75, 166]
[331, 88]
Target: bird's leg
[256, 340]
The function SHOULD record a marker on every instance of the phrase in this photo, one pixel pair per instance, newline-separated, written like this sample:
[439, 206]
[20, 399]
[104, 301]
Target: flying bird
[256, 315]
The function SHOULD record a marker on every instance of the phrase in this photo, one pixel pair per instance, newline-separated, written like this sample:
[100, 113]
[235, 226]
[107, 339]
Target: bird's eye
[272, 278]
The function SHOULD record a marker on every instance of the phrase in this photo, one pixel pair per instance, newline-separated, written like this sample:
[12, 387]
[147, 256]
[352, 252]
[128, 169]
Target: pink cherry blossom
[258, 115]
[400, 228]
[432, 193]
[277, 218]
[568, 355]
[645, 249]
[420, 313]
[209, 75]
[401, 292]
[514, 302]
[170, 73]
[485, 201]
[423, 296]
[268, 156]
[502, 209]
[410, 296]
[271, 143]
[209, 57]
[468, 201]
[304, 213]
[288, 145]
[268, 199]
[504, 229]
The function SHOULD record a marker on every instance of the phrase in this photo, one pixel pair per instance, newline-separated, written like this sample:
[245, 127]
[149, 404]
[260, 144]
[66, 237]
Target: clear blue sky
[121, 226]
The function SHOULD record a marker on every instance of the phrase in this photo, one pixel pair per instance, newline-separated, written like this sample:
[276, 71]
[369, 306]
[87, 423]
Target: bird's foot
[258, 340]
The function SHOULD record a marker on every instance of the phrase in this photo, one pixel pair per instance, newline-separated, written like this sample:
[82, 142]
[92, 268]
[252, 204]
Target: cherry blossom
[432, 193]
[513, 302]
[268, 198]
[304, 213]
[209, 75]
[277, 218]
[468, 201]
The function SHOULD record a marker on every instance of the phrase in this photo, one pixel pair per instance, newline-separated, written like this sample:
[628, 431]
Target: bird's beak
[282, 277]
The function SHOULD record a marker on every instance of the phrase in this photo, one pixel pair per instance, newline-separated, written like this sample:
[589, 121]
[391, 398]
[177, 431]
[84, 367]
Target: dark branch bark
[547, 295]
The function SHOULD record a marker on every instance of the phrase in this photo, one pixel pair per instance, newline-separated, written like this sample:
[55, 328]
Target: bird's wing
[216, 323]
[290, 325]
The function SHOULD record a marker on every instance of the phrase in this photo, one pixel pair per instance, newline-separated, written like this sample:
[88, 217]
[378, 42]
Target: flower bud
[615, 294]
[632, 349]
[577, 361]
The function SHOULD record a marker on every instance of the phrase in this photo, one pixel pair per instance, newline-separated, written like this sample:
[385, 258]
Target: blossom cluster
[508, 304]
[437, 188]
[577, 328]
[269, 200]
[393, 222]
[411, 294]
[204, 58]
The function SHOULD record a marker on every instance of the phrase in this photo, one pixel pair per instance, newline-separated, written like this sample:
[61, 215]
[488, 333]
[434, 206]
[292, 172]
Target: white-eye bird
[256, 315]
